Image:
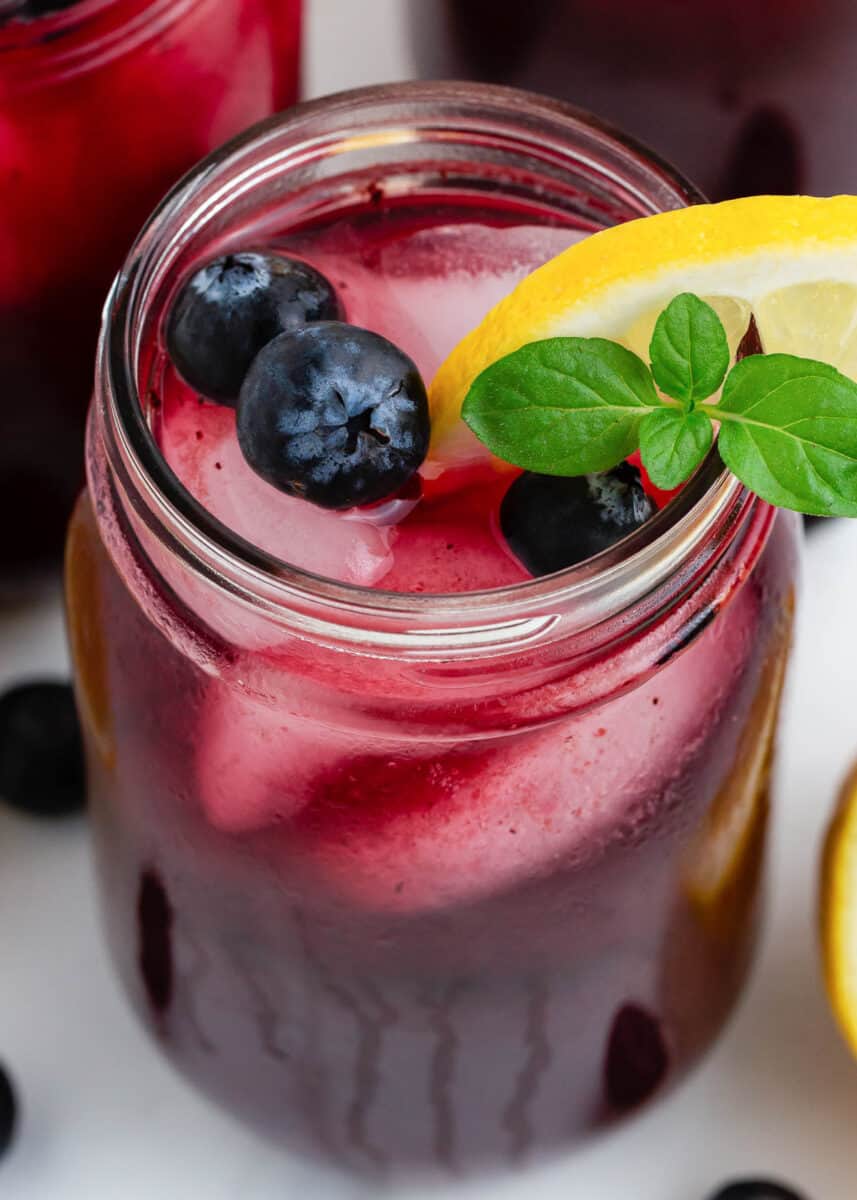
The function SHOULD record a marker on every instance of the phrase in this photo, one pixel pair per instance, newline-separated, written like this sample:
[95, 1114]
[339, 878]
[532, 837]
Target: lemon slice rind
[838, 911]
[791, 260]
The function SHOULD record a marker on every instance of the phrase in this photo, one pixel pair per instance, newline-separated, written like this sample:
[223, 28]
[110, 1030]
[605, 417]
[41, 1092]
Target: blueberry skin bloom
[553, 522]
[334, 414]
[232, 307]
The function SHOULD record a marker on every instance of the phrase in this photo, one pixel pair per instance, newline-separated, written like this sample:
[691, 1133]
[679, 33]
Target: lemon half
[838, 911]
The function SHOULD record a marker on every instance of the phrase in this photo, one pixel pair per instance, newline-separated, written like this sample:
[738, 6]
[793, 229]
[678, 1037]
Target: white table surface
[105, 1119]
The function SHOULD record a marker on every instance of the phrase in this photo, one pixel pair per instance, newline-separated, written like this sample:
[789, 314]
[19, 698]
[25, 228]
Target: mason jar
[104, 104]
[414, 879]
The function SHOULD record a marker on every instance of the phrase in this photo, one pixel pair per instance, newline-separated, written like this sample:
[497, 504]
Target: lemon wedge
[789, 261]
[838, 911]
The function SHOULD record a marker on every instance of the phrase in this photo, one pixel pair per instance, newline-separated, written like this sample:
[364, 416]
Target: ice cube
[432, 832]
[256, 762]
[199, 443]
[426, 290]
[274, 729]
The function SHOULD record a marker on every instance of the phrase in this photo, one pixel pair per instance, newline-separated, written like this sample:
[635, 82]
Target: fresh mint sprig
[673, 443]
[570, 406]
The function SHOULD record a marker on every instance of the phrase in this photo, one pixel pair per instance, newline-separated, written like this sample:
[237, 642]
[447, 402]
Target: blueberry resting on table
[232, 307]
[8, 1110]
[334, 414]
[757, 1189]
[41, 755]
[552, 522]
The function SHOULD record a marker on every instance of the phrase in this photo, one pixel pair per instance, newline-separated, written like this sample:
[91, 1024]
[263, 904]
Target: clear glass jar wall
[415, 879]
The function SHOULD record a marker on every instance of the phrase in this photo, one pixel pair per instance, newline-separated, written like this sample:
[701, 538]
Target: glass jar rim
[61, 53]
[600, 587]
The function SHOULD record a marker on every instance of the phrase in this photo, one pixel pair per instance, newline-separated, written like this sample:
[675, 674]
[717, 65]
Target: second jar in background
[103, 105]
[745, 96]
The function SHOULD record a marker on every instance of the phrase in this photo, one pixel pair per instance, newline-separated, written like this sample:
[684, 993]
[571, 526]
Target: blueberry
[8, 1110]
[552, 522]
[232, 307]
[155, 940]
[757, 1189]
[41, 757]
[334, 414]
[637, 1059]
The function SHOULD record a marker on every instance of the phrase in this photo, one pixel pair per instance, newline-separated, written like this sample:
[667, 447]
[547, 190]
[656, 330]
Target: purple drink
[406, 878]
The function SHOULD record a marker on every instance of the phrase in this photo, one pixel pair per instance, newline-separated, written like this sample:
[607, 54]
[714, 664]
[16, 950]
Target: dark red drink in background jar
[103, 105]
[744, 96]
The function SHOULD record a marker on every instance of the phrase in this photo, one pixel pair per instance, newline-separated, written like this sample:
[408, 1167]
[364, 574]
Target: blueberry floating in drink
[334, 414]
[552, 522]
[232, 307]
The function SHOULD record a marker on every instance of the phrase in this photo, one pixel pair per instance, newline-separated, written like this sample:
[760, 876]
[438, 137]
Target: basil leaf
[673, 444]
[689, 350]
[789, 432]
[563, 406]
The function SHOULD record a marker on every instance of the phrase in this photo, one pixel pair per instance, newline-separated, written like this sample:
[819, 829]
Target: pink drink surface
[424, 290]
[403, 909]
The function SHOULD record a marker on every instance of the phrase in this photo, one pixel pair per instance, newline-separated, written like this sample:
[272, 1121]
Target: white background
[105, 1118]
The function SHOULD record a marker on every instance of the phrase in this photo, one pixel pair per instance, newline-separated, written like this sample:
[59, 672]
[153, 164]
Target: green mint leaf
[673, 444]
[789, 432]
[689, 350]
[563, 406]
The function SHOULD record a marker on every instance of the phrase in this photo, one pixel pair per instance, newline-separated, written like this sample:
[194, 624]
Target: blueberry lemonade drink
[431, 792]
[104, 104]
